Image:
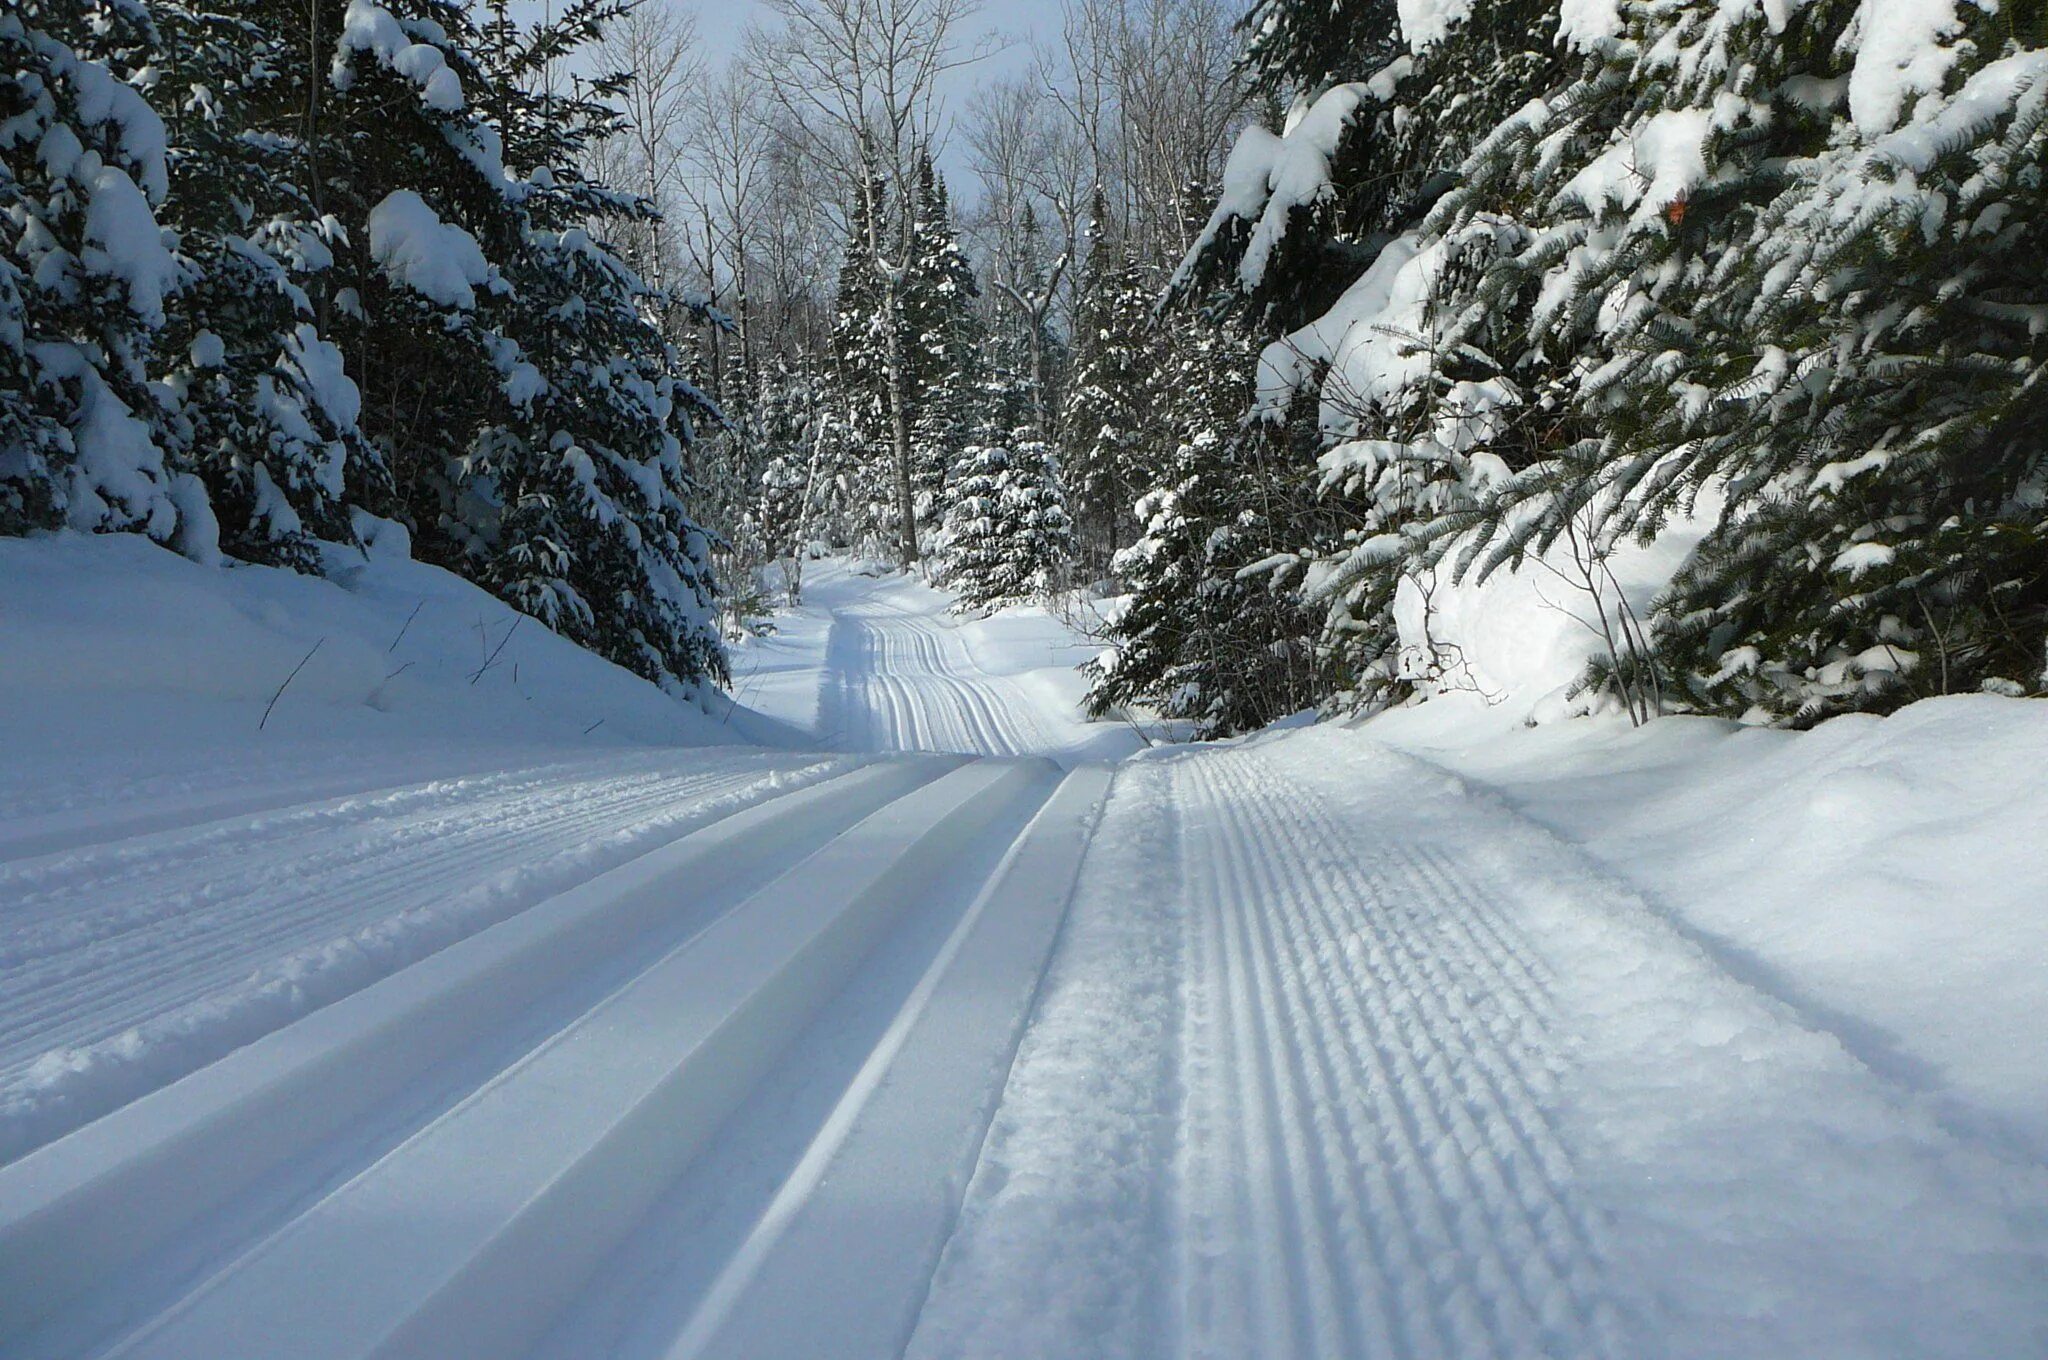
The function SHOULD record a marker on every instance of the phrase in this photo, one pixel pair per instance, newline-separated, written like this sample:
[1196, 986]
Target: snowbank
[1886, 878]
[117, 654]
[1521, 639]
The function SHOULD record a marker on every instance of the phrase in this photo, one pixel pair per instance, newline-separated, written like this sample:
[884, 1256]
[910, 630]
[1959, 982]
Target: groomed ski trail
[130, 962]
[1366, 1101]
[1291, 1049]
[523, 1100]
[902, 681]
[1344, 1058]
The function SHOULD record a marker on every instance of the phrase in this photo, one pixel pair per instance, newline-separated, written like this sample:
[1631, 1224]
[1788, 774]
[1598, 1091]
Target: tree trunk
[899, 432]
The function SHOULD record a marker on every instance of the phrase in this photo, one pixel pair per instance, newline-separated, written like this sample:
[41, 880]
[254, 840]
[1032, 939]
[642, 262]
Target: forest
[1287, 330]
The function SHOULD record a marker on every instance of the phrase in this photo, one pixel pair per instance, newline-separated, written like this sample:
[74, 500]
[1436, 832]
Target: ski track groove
[1323, 971]
[144, 851]
[65, 1000]
[354, 843]
[511, 1067]
[146, 859]
[929, 703]
[89, 828]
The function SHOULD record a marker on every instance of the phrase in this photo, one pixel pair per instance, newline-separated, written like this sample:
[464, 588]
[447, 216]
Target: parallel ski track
[94, 973]
[925, 704]
[57, 827]
[1367, 1167]
[137, 1334]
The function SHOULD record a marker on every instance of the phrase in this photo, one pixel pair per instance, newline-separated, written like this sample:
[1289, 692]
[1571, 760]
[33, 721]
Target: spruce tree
[861, 349]
[84, 278]
[1867, 389]
[939, 294]
[593, 533]
[1208, 636]
[263, 406]
[1009, 536]
[1106, 409]
[559, 480]
[1334, 232]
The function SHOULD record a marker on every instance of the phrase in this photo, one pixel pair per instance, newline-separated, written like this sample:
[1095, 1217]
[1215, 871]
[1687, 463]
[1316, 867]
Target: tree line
[1279, 327]
[1541, 283]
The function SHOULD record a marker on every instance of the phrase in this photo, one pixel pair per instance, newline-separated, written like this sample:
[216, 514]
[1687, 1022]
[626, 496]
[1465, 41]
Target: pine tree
[1105, 410]
[938, 317]
[84, 276]
[264, 409]
[1206, 636]
[1010, 539]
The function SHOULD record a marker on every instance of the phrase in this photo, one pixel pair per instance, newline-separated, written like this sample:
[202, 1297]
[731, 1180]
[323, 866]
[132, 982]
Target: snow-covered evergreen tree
[593, 535]
[264, 409]
[939, 320]
[861, 348]
[1751, 254]
[1333, 230]
[1206, 636]
[1866, 385]
[1106, 410]
[84, 277]
[1008, 533]
[558, 479]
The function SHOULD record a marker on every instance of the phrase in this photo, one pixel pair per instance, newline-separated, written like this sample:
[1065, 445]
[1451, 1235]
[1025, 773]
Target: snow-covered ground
[878, 663]
[488, 1002]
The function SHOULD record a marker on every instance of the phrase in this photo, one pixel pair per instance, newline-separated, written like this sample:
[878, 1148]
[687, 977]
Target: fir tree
[1010, 539]
[1105, 411]
[264, 408]
[84, 277]
[1371, 281]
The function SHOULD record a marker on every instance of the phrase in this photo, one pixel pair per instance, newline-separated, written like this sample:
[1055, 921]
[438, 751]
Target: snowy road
[953, 1045]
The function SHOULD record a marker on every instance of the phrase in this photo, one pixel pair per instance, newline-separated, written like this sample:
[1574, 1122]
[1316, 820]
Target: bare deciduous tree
[656, 42]
[855, 82]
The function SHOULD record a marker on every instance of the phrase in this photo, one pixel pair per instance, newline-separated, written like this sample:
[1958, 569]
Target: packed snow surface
[482, 999]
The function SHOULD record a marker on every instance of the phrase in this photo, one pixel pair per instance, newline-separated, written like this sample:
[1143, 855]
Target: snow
[139, 132]
[515, 1014]
[1521, 638]
[1370, 338]
[1585, 24]
[1904, 49]
[1661, 163]
[207, 350]
[369, 28]
[1268, 177]
[877, 664]
[1058, 1242]
[123, 241]
[438, 260]
[1881, 876]
[1426, 22]
[1442, 1081]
